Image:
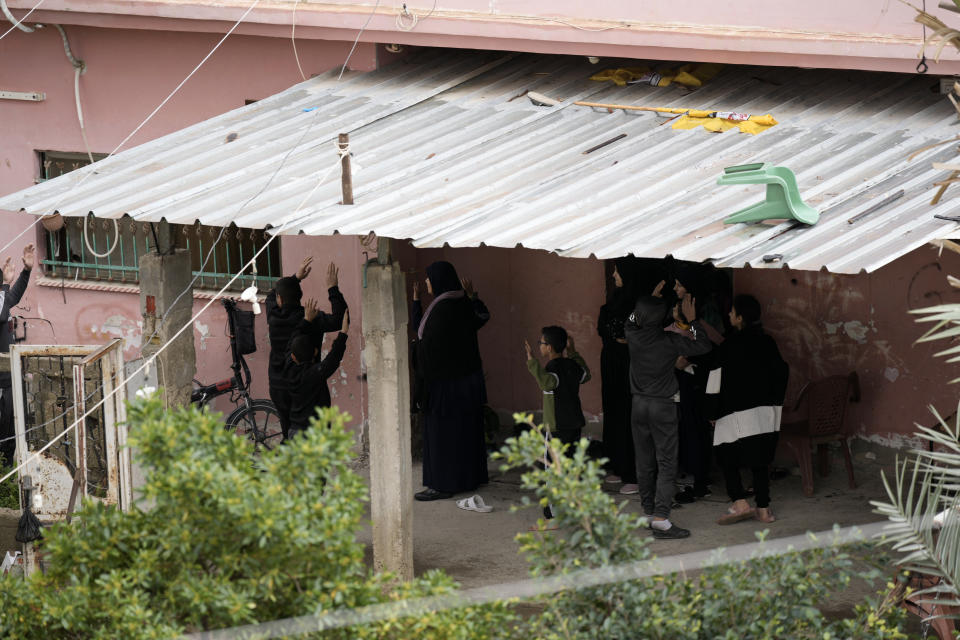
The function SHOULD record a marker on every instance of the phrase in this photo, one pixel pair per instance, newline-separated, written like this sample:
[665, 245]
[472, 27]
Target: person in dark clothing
[653, 357]
[753, 385]
[284, 314]
[560, 382]
[449, 385]
[306, 377]
[615, 375]
[11, 291]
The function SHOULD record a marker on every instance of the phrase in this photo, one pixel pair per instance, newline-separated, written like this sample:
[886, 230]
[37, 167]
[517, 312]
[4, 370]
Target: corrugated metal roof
[446, 150]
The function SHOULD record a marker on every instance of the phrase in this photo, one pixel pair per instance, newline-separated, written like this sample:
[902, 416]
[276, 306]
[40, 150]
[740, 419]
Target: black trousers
[754, 453]
[281, 400]
[8, 445]
[655, 444]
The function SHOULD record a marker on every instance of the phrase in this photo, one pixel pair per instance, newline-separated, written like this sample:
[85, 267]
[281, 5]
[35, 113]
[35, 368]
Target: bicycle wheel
[259, 422]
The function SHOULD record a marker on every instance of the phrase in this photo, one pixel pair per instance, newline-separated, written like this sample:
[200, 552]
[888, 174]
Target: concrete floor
[479, 549]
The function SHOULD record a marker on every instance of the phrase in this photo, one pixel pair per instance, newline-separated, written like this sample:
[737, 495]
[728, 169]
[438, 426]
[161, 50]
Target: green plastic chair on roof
[783, 200]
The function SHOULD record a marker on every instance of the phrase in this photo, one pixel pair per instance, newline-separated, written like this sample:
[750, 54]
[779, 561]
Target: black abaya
[615, 395]
[451, 391]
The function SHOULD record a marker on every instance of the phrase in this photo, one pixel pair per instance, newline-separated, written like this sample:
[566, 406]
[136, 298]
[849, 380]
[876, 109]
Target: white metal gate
[53, 387]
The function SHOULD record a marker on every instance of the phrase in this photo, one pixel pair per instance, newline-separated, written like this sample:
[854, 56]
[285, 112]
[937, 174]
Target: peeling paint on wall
[893, 440]
[98, 324]
[202, 330]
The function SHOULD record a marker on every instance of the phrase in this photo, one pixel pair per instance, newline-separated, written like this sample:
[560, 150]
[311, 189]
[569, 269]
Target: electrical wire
[413, 18]
[290, 220]
[357, 39]
[121, 385]
[89, 171]
[18, 24]
[293, 39]
[116, 239]
[340, 150]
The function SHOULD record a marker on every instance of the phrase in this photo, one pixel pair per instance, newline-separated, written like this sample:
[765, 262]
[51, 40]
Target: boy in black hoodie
[653, 356]
[307, 379]
[284, 314]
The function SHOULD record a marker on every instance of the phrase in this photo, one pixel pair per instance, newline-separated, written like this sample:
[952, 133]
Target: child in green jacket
[560, 381]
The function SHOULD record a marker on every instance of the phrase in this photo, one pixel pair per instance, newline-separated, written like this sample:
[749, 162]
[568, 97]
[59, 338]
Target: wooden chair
[817, 419]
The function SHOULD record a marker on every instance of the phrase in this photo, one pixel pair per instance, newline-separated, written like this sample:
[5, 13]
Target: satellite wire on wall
[18, 24]
[88, 171]
[293, 39]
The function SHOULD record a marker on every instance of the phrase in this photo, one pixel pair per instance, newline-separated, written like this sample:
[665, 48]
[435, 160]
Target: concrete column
[386, 354]
[162, 279]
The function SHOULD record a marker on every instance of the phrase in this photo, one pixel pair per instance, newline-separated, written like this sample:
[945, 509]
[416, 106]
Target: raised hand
[7, 271]
[305, 268]
[416, 290]
[467, 287]
[310, 310]
[332, 275]
[529, 350]
[570, 343]
[658, 290]
[29, 256]
[689, 308]
[346, 321]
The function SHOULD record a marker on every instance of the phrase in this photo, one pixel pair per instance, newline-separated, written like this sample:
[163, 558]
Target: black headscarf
[624, 298]
[443, 277]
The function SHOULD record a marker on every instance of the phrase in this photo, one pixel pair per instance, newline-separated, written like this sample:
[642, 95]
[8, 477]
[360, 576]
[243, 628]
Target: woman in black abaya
[449, 385]
[615, 374]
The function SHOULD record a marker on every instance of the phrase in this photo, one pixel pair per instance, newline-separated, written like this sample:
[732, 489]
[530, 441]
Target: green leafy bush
[9, 493]
[226, 542]
[230, 541]
[772, 597]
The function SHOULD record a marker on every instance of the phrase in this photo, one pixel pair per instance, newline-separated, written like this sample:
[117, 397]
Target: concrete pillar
[385, 322]
[162, 279]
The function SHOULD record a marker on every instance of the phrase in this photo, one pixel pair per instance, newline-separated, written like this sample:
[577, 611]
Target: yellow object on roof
[689, 75]
[753, 125]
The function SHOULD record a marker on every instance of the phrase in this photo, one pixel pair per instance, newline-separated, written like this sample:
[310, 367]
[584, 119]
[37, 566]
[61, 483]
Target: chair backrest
[827, 404]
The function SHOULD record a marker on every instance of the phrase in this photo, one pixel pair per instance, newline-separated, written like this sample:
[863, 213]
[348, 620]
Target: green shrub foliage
[772, 597]
[223, 539]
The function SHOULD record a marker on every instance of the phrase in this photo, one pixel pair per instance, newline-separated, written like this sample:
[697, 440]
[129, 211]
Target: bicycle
[254, 418]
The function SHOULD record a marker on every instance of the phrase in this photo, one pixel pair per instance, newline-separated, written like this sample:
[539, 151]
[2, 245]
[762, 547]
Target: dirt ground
[479, 549]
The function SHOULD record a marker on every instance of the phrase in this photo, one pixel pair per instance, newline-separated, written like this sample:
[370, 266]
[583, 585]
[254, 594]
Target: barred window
[111, 250]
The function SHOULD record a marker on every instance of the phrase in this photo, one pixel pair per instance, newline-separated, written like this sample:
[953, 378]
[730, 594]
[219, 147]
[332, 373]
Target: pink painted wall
[853, 34]
[827, 324]
[129, 73]
[525, 290]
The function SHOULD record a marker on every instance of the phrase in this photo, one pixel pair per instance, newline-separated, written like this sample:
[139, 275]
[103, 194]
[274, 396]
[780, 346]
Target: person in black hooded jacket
[284, 315]
[653, 357]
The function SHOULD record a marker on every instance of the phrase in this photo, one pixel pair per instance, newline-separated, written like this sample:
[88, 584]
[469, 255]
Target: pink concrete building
[136, 53]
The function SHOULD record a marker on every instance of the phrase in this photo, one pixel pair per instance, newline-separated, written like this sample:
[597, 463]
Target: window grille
[68, 257]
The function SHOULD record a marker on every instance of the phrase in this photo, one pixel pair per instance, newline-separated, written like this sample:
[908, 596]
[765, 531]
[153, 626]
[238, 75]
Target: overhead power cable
[88, 170]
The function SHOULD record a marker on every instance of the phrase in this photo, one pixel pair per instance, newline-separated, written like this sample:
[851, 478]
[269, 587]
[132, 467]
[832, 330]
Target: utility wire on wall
[88, 171]
[17, 24]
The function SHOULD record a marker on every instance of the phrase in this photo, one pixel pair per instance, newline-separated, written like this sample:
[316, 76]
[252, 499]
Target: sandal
[474, 503]
[429, 494]
[763, 515]
[732, 516]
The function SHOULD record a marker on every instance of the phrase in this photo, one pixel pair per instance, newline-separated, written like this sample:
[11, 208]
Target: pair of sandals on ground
[741, 510]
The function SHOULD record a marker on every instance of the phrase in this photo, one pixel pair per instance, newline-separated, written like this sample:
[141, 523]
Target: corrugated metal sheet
[446, 150]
